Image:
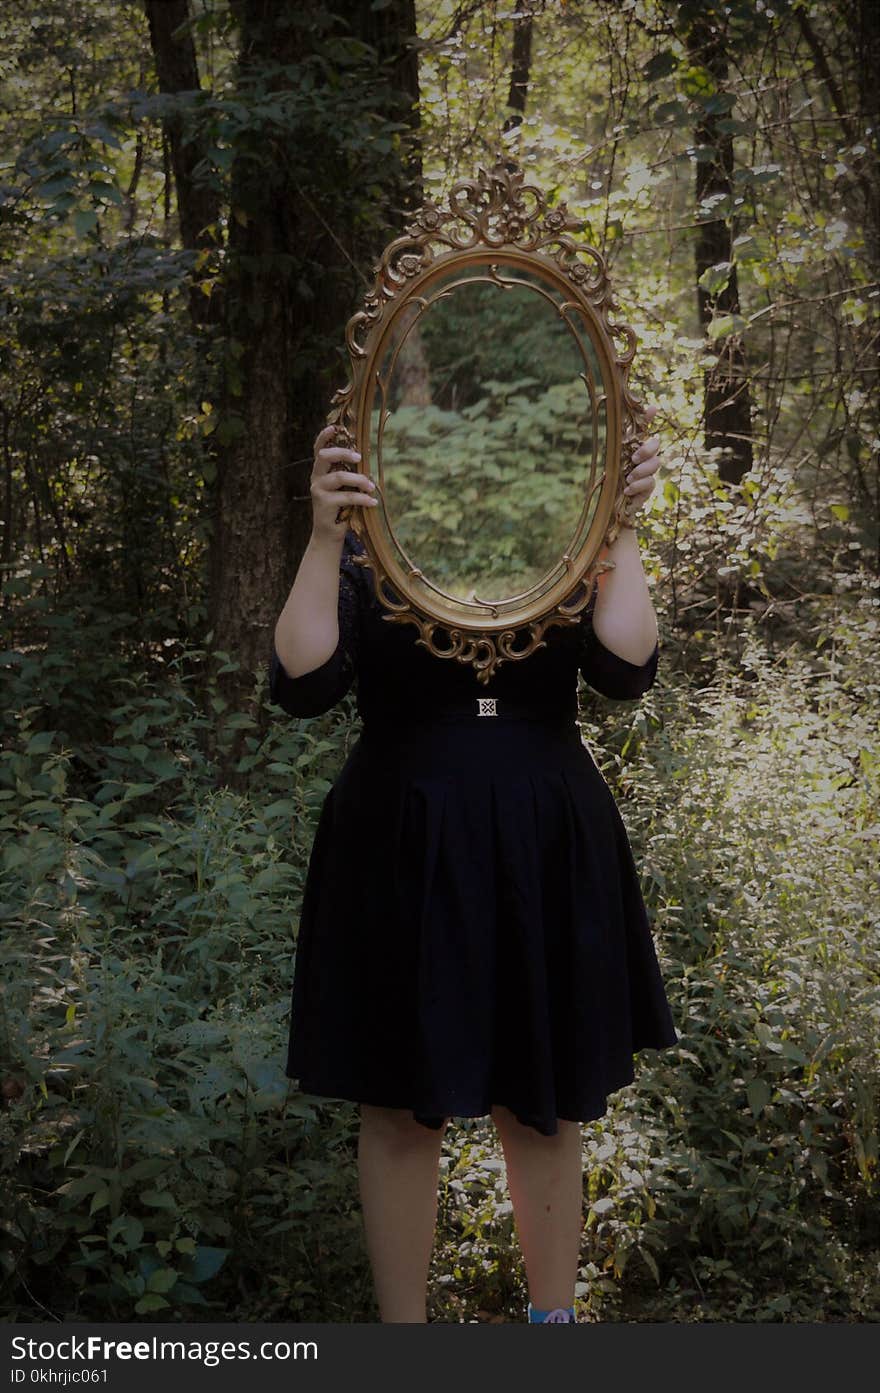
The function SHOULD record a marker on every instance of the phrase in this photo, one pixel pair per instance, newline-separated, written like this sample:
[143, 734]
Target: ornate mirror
[489, 402]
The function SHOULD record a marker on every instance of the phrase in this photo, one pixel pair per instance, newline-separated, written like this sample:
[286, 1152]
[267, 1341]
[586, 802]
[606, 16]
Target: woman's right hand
[332, 489]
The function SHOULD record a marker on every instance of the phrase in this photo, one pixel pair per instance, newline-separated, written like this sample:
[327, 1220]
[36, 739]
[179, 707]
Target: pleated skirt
[472, 929]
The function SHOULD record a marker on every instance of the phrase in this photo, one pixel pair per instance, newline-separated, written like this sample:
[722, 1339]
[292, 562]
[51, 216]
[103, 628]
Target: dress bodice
[395, 674]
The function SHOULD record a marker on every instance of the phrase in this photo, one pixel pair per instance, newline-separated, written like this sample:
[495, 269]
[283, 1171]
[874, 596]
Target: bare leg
[545, 1180]
[398, 1167]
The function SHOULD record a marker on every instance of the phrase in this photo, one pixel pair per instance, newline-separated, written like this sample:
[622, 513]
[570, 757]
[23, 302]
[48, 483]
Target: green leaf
[661, 65]
[672, 113]
[718, 102]
[50, 190]
[697, 81]
[85, 221]
[159, 1199]
[98, 188]
[152, 1302]
[716, 277]
[206, 1264]
[39, 744]
[726, 324]
[183, 1292]
[163, 1279]
[128, 1230]
[758, 1094]
[102, 132]
[602, 1206]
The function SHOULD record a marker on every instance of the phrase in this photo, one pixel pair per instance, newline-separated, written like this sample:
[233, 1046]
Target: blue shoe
[561, 1315]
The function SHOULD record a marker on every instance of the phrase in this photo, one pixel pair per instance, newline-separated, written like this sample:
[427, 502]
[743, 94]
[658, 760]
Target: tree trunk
[727, 407]
[861, 27]
[520, 67]
[866, 27]
[298, 267]
[413, 371]
[198, 208]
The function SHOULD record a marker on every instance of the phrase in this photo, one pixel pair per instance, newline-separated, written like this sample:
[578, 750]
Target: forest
[193, 194]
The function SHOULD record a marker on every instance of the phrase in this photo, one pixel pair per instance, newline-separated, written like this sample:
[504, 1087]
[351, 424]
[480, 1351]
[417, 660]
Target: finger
[324, 436]
[645, 469]
[647, 448]
[638, 486]
[651, 411]
[324, 458]
[344, 497]
[338, 477]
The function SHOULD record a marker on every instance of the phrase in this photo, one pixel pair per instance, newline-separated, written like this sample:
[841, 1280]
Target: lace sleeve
[608, 673]
[312, 693]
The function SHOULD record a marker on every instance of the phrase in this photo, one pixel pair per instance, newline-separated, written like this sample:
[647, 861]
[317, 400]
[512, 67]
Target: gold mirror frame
[496, 213]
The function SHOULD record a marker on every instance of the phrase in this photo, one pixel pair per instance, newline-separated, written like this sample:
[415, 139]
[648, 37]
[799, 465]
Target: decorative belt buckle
[486, 706]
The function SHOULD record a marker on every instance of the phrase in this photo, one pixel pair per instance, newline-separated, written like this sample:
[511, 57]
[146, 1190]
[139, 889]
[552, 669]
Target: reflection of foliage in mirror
[485, 335]
[512, 456]
[489, 493]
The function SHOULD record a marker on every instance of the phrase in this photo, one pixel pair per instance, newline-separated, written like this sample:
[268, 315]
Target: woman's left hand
[640, 480]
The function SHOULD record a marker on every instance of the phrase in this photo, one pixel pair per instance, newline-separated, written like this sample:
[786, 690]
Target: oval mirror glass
[488, 431]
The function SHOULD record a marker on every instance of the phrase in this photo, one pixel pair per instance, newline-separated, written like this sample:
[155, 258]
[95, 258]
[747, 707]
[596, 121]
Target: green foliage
[151, 1147]
[461, 481]
[753, 805]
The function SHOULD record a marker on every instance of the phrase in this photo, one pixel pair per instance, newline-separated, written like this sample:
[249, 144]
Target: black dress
[472, 928]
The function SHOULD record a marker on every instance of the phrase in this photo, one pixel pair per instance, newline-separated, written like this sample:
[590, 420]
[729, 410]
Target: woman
[473, 938]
